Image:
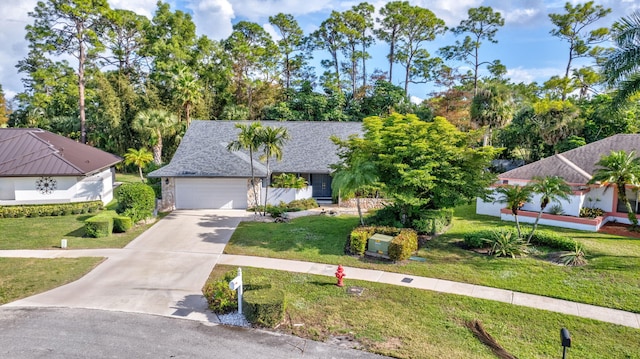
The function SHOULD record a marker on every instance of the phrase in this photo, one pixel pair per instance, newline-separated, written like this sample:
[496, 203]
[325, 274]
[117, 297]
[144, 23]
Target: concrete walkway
[162, 272]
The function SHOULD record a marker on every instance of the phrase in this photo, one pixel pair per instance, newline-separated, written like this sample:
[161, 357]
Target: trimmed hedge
[135, 200]
[264, 307]
[45, 210]
[122, 224]
[358, 239]
[433, 221]
[553, 240]
[99, 226]
[403, 245]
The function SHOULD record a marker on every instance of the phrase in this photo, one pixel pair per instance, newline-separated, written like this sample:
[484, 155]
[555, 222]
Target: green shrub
[220, 297]
[44, 210]
[507, 244]
[135, 200]
[477, 239]
[276, 211]
[288, 180]
[302, 204]
[122, 224]
[403, 245]
[264, 307]
[358, 239]
[99, 226]
[553, 240]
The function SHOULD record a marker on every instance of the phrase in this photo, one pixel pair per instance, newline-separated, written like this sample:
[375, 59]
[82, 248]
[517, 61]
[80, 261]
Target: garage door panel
[204, 193]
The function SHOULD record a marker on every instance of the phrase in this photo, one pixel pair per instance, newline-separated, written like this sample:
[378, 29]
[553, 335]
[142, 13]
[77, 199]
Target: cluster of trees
[136, 82]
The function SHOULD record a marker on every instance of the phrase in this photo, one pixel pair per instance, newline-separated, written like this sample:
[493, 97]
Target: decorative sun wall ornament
[46, 185]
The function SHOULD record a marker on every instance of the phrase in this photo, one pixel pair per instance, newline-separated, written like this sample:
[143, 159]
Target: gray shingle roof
[203, 150]
[577, 165]
[34, 152]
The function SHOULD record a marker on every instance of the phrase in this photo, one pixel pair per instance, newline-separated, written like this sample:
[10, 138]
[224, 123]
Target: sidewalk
[444, 286]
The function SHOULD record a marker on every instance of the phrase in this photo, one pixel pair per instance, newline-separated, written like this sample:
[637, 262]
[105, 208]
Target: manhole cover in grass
[407, 280]
[355, 291]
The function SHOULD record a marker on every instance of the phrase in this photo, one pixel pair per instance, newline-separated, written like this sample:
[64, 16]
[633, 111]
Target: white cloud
[212, 17]
[14, 47]
[527, 75]
[141, 7]
[272, 31]
[415, 100]
[255, 10]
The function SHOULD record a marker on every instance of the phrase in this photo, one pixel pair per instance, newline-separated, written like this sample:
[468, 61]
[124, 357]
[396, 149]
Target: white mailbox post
[236, 284]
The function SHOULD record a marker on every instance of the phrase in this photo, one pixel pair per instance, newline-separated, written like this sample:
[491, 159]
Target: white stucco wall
[22, 190]
[600, 198]
[550, 222]
[286, 195]
[488, 208]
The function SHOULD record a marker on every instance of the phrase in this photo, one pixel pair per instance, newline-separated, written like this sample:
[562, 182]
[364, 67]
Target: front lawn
[23, 277]
[411, 323]
[46, 233]
[610, 279]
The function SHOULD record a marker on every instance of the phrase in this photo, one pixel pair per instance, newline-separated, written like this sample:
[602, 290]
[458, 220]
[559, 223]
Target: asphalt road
[85, 333]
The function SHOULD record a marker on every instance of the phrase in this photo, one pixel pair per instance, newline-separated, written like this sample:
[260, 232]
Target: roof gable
[578, 164]
[34, 152]
[203, 149]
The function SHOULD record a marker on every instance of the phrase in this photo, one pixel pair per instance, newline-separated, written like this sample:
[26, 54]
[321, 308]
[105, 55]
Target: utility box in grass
[379, 243]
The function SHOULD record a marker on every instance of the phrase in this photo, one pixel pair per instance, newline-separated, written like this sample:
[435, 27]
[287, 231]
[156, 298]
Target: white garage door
[197, 193]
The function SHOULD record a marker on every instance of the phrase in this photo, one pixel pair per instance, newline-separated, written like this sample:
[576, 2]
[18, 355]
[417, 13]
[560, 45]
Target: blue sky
[524, 45]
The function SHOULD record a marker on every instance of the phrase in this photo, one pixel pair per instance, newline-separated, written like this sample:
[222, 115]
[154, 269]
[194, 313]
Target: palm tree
[622, 67]
[272, 140]
[620, 169]
[248, 139]
[492, 107]
[187, 90]
[550, 189]
[140, 158]
[515, 197]
[350, 179]
[155, 124]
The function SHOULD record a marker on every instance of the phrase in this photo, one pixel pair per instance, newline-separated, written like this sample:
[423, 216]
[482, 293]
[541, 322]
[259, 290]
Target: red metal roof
[35, 152]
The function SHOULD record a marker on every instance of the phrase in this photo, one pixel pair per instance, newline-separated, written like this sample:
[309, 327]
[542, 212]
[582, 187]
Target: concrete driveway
[161, 272]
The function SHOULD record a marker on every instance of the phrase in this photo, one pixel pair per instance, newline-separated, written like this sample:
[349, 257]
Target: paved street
[61, 333]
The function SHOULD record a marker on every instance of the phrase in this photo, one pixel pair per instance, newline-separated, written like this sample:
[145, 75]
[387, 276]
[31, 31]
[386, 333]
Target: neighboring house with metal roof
[577, 167]
[40, 167]
[204, 174]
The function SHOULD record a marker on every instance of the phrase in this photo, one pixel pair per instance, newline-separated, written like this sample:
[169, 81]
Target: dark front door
[321, 184]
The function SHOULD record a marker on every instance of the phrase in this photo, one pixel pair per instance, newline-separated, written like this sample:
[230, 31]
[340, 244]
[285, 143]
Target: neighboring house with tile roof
[40, 167]
[577, 167]
[204, 174]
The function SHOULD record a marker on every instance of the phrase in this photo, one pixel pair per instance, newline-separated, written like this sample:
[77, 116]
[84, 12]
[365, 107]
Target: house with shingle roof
[40, 167]
[577, 167]
[204, 174]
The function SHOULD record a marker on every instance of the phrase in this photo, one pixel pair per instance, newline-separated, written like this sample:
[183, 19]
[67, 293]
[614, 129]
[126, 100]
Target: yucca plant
[507, 244]
[574, 257]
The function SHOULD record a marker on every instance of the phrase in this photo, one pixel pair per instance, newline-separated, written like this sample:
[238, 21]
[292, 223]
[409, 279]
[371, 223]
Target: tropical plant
[187, 90]
[514, 196]
[620, 169]
[351, 178]
[155, 124]
[139, 158]
[550, 189]
[622, 67]
[576, 257]
[272, 140]
[249, 139]
[506, 244]
[289, 180]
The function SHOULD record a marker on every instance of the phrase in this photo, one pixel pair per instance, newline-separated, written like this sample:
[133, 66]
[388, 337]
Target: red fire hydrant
[340, 274]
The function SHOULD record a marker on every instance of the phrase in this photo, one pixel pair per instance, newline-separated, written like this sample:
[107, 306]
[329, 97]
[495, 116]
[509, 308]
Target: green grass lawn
[23, 277]
[128, 177]
[610, 278]
[410, 323]
[46, 233]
